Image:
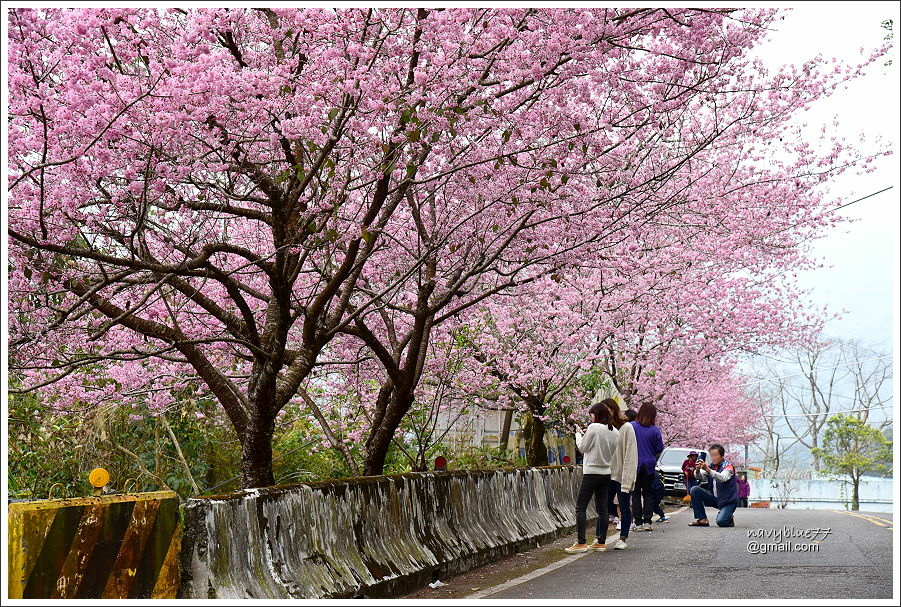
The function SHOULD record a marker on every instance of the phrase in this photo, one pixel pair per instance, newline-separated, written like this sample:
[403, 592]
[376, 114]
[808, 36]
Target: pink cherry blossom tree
[581, 202]
[230, 196]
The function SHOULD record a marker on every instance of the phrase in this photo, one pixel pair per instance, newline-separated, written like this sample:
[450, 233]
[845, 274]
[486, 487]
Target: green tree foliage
[47, 447]
[852, 447]
[184, 450]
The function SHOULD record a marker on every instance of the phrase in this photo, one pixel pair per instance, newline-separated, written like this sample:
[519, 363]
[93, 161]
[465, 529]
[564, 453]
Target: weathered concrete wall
[117, 546]
[373, 536]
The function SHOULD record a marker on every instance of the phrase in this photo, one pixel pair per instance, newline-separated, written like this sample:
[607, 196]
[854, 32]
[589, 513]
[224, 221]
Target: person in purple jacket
[650, 446]
[744, 490]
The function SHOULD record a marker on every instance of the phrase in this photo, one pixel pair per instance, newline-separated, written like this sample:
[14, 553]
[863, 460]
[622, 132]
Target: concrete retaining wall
[373, 536]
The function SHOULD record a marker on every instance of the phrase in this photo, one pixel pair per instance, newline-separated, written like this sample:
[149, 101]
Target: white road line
[547, 569]
[529, 576]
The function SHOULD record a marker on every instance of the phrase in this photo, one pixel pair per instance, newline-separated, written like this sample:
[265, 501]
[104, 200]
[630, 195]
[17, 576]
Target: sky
[860, 277]
[861, 258]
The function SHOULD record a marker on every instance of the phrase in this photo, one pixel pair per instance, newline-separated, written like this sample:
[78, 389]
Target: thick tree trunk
[256, 457]
[380, 437]
[505, 430]
[533, 433]
[377, 450]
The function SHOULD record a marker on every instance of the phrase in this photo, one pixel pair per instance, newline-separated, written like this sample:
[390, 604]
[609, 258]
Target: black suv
[669, 468]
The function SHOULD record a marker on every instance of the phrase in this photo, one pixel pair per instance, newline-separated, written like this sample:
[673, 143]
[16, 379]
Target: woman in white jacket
[598, 447]
[623, 469]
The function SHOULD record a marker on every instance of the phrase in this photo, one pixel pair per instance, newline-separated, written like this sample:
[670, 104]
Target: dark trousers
[700, 497]
[612, 490]
[689, 484]
[742, 502]
[625, 509]
[643, 497]
[593, 485]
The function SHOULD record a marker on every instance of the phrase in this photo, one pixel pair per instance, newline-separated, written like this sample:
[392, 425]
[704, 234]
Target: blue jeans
[692, 482]
[700, 497]
[612, 490]
[625, 509]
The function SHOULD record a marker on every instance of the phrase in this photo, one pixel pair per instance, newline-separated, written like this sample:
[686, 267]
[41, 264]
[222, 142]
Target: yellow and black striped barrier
[114, 546]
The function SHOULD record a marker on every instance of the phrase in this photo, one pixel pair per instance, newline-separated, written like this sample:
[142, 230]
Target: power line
[832, 340]
[784, 362]
[852, 344]
[856, 362]
[824, 412]
[831, 396]
[848, 204]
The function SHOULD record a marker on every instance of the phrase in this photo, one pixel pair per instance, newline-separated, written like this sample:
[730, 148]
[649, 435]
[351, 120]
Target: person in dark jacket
[658, 491]
[725, 489]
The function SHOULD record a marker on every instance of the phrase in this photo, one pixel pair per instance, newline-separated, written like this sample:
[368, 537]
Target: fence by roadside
[876, 494]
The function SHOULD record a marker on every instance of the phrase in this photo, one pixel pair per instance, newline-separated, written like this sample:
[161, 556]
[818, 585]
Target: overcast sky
[861, 258]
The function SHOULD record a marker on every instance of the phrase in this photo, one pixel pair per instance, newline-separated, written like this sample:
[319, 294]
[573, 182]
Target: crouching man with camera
[725, 490]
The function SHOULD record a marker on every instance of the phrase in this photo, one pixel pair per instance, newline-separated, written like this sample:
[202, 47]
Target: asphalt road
[852, 561]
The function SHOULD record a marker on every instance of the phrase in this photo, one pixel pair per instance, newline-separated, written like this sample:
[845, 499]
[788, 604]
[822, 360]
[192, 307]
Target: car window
[673, 457]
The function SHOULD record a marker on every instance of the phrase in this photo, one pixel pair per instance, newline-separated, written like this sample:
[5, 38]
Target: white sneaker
[618, 525]
[619, 545]
[632, 527]
[638, 528]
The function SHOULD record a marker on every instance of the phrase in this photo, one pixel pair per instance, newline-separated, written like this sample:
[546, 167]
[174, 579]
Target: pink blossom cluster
[372, 215]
